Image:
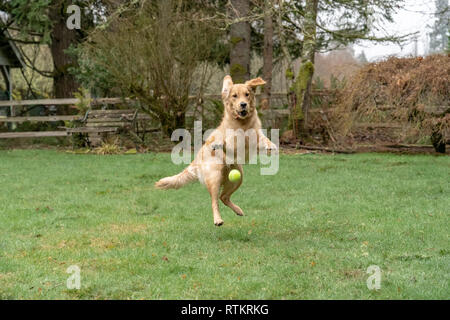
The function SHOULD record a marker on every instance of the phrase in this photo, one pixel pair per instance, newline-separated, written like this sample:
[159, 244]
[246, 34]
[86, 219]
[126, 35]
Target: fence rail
[59, 102]
[73, 101]
[40, 118]
[33, 134]
[100, 101]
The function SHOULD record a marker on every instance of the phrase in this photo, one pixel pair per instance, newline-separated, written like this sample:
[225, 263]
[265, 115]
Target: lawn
[310, 232]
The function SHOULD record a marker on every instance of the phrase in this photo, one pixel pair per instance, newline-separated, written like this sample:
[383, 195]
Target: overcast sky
[415, 16]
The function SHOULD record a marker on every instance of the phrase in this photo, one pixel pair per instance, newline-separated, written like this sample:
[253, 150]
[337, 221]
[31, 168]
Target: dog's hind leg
[213, 183]
[228, 189]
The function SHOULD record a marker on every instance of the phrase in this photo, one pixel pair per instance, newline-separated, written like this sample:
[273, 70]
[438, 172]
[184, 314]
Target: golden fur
[239, 113]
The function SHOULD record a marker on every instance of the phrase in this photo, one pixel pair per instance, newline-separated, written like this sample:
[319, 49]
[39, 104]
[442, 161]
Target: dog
[209, 165]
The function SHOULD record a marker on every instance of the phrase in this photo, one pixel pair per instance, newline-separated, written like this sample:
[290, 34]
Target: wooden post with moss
[267, 55]
[302, 84]
[240, 42]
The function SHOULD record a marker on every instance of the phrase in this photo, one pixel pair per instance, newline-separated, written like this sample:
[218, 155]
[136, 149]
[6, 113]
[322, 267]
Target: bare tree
[152, 52]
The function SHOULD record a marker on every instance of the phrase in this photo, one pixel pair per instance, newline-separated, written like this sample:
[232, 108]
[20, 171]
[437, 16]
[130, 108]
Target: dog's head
[239, 99]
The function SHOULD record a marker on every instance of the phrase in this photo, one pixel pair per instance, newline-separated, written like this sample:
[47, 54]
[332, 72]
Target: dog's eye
[247, 94]
[235, 95]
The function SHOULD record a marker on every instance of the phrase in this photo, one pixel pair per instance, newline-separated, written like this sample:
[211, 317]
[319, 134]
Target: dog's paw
[270, 147]
[218, 222]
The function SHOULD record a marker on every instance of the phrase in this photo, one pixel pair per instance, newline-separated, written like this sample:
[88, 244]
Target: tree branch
[30, 64]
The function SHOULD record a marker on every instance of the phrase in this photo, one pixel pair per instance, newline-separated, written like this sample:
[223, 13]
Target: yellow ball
[234, 175]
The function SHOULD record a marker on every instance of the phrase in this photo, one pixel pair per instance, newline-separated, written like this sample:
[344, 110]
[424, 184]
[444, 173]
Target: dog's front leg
[265, 143]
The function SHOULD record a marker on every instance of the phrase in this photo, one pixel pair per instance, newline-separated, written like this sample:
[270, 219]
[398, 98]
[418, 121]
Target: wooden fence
[13, 104]
[278, 99]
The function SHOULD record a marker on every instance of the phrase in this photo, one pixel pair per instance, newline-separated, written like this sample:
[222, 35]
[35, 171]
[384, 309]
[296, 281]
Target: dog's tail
[176, 181]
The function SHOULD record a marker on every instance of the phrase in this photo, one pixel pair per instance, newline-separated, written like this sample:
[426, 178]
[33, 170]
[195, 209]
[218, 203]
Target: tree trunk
[304, 78]
[437, 140]
[62, 38]
[267, 55]
[240, 42]
[170, 122]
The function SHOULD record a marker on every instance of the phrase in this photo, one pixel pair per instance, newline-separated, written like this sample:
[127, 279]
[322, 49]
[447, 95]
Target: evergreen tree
[362, 57]
[439, 36]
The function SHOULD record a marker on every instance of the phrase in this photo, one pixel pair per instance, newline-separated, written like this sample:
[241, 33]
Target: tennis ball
[234, 175]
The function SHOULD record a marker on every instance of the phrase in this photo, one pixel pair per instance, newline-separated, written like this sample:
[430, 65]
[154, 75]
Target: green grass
[310, 232]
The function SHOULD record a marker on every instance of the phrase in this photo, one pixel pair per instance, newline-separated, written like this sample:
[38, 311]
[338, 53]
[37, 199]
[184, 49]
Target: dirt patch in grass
[103, 243]
[128, 228]
[352, 274]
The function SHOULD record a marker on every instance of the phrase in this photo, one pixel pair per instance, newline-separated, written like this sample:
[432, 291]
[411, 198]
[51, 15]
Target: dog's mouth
[243, 113]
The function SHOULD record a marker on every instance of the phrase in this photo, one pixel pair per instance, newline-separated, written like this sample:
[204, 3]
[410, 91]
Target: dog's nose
[243, 105]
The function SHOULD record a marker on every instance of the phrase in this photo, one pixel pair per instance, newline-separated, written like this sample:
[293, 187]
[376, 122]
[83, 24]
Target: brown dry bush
[413, 92]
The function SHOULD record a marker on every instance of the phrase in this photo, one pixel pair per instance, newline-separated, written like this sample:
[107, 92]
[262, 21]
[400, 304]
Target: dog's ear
[227, 84]
[255, 82]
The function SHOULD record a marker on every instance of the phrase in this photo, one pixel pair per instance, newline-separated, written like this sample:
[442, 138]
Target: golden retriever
[210, 166]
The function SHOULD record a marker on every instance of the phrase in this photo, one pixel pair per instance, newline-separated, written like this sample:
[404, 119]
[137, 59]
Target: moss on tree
[235, 40]
[301, 85]
[238, 72]
[289, 74]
